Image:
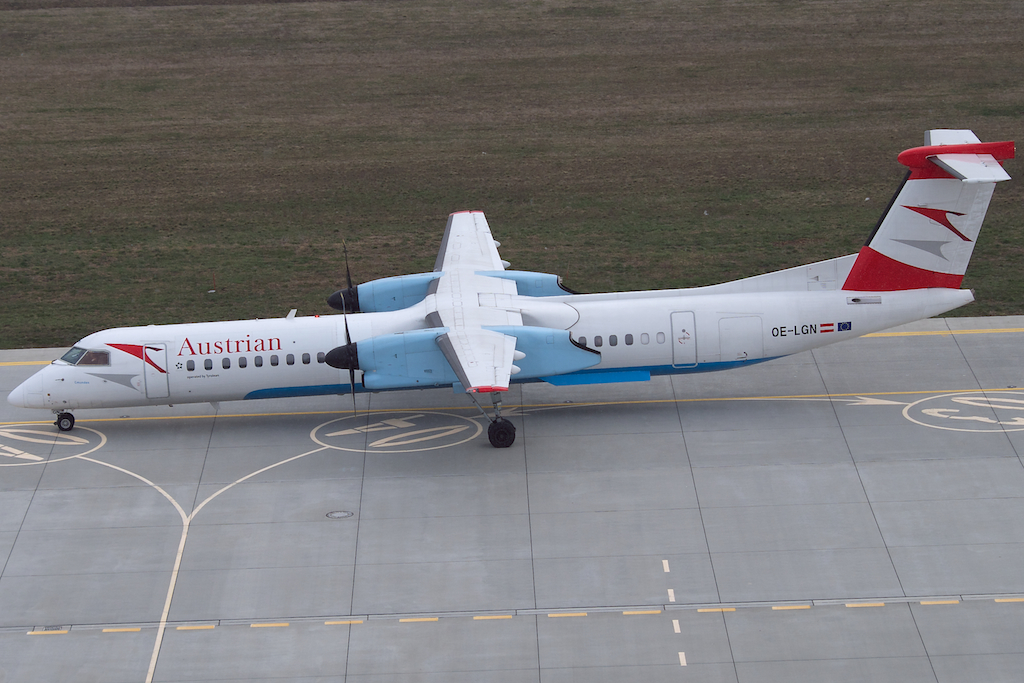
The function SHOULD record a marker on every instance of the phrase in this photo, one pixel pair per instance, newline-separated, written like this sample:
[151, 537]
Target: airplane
[478, 327]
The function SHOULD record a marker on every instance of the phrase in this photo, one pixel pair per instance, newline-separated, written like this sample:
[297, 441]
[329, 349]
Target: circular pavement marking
[396, 432]
[972, 411]
[22, 445]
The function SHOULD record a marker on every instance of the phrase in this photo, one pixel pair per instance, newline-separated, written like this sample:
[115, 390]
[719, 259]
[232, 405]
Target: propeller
[345, 357]
[345, 300]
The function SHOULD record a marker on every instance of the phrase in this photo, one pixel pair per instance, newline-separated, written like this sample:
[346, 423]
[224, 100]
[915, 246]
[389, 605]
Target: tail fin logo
[940, 216]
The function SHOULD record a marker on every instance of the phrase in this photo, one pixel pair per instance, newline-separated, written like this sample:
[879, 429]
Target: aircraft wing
[468, 244]
[465, 302]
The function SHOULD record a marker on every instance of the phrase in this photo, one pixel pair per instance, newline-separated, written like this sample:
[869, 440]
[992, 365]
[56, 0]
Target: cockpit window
[95, 358]
[73, 355]
[80, 356]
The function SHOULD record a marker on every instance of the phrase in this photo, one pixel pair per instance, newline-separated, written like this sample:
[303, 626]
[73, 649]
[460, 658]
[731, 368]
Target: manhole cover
[339, 514]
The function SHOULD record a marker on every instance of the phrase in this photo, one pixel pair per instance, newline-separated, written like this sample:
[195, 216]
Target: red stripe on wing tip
[486, 390]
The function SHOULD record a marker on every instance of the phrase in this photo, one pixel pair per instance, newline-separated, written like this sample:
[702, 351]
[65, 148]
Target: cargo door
[740, 338]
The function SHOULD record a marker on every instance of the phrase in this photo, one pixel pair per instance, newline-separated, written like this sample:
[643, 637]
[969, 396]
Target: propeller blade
[345, 300]
[348, 274]
[348, 344]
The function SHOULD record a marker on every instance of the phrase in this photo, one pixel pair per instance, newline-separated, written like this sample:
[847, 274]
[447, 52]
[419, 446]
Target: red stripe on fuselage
[875, 272]
[139, 351]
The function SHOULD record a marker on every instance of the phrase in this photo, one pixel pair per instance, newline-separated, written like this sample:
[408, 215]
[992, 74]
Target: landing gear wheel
[65, 422]
[501, 433]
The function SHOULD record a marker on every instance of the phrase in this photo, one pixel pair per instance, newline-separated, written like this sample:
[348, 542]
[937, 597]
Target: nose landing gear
[65, 421]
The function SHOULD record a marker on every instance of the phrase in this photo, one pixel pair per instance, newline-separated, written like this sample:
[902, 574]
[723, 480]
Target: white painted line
[664, 565]
[675, 625]
[671, 595]
[682, 659]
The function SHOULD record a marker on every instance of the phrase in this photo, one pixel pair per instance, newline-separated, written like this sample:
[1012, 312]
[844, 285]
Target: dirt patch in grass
[148, 149]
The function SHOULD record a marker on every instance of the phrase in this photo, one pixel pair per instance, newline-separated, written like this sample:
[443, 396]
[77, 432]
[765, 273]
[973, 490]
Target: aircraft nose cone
[17, 397]
[28, 394]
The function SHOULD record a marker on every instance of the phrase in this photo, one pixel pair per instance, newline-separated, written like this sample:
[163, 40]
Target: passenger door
[155, 370]
[684, 340]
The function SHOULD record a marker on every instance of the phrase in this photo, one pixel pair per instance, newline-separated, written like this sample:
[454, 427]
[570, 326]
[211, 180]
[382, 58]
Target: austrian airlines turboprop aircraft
[475, 326]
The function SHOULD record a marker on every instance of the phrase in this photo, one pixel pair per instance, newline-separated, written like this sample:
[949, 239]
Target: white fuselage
[638, 334]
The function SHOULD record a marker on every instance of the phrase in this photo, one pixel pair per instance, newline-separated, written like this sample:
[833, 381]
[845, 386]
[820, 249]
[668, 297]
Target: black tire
[501, 433]
[65, 422]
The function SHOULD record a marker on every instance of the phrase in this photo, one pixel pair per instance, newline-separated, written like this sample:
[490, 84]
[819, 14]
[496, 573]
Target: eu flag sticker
[844, 327]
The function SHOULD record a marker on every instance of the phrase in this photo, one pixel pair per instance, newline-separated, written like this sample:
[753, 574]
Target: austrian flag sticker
[835, 327]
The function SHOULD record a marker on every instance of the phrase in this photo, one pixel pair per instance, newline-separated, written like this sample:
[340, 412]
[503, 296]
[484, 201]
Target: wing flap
[481, 359]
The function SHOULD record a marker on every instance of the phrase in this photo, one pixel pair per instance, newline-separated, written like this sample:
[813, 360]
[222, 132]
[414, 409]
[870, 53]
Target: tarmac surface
[851, 514]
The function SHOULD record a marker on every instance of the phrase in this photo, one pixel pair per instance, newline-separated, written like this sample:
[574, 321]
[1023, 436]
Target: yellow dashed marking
[781, 607]
[1009, 599]
[406, 621]
[25, 362]
[865, 604]
[47, 633]
[568, 614]
[347, 621]
[202, 627]
[122, 630]
[492, 616]
[940, 602]
[717, 609]
[279, 624]
[643, 611]
[935, 333]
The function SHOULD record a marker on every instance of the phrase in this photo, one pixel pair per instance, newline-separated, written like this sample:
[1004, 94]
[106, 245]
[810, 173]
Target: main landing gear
[65, 421]
[501, 433]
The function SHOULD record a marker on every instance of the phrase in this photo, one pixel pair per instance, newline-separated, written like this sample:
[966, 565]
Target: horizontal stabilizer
[971, 168]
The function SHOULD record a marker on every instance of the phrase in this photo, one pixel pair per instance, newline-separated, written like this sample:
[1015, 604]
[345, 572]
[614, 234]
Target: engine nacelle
[532, 284]
[413, 359]
[386, 294]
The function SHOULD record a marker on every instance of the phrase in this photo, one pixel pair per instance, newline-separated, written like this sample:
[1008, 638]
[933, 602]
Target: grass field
[149, 151]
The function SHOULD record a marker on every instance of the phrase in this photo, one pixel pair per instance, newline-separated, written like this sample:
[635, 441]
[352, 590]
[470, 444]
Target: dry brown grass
[147, 149]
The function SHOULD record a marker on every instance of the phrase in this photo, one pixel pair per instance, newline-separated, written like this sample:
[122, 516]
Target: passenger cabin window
[305, 359]
[645, 338]
[583, 340]
[273, 360]
[242, 362]
[225, 363]
[598, 341]
[613, 340]
[208, 364]
[629, 340]
[661, 337]
[289, 359]
[321, 357]
[190, 365]
[258, 361]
